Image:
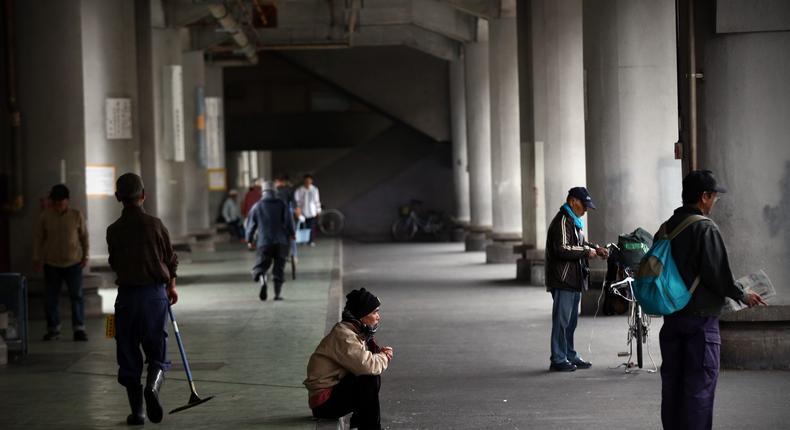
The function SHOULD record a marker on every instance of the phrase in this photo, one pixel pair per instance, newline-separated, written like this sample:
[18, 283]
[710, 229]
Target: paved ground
[250, 354]
[472, 352]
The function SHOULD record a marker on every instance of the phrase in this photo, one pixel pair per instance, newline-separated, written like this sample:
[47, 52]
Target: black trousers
[140, 321]
[357, 394]
[277, 253]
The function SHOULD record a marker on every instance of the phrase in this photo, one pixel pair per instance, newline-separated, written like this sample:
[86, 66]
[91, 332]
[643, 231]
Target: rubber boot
[152, 386]
[135, 395]
[264, 287]
[278, 288]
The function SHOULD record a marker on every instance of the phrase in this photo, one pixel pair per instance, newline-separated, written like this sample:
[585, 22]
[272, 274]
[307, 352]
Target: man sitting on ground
[344, 372]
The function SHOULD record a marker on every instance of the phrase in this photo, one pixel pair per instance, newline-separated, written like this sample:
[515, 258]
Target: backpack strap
[679, 229]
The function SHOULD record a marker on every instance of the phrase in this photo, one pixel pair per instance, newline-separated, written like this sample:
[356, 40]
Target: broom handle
[180, 345]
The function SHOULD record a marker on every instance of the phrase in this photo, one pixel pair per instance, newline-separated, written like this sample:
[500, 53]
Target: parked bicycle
[638, 321]
[411, 221]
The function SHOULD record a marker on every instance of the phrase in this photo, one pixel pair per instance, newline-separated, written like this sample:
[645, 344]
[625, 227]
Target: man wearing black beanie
[344, 372]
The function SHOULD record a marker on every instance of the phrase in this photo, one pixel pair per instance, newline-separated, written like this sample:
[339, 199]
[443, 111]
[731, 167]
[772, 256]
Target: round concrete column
[632, 111]
[478, 121]
[559, 98]
[505, 140]
[460, 167]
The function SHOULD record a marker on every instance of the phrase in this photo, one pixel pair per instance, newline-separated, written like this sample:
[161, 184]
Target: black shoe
[581, 364]
[152, 406]
[262, 294]
[278, 298]
[566, 366]
[52, 335]
[80, 336]
[135, 395]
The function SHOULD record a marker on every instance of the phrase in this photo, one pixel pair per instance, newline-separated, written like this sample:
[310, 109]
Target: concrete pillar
[195, 177]
[505, 138]
[264, 165]
[478, 122]
[559, 99]
[631, 64]
[458, 120]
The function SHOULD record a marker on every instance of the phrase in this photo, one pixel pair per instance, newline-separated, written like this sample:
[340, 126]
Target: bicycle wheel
[404, 229]
[638, 334]
[331, 222]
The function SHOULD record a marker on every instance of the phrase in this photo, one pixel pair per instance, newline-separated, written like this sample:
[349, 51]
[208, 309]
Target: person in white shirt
[308, 200]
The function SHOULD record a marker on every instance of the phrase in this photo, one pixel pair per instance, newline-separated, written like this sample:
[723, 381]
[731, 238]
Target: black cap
[128, 187]
[698, 182]
[582, 194]
[361, 302]
[58, 193]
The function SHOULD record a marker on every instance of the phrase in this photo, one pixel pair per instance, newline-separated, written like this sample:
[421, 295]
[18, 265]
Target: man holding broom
[145, 266]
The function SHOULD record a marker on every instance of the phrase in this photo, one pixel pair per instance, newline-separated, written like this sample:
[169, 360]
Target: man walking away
[308, 200]
[689, 338]
[272, 220]
[567, 274]
[61, 251]
[145, 266]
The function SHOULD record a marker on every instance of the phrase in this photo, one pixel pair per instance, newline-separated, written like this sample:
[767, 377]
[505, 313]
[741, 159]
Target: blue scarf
[576, 220]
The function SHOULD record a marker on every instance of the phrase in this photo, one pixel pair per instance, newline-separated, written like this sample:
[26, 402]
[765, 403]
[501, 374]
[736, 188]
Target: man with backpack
[689, 338]
[567, 274]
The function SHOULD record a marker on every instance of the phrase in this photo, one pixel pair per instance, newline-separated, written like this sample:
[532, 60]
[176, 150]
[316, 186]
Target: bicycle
[638, 321]
[410, 222]
[331, 222]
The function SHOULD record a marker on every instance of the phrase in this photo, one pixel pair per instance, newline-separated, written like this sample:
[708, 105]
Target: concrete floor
[471, 352]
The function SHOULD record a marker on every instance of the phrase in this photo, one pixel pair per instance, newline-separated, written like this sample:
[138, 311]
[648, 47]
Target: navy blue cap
[582, 194]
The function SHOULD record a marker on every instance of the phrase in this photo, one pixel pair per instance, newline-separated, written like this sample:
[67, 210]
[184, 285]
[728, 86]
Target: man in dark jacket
[145, 265]
[273, 222]
[689, 338]
[567, 272]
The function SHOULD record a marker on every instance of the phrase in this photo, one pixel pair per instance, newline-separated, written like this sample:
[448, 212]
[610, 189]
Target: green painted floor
[250, 354]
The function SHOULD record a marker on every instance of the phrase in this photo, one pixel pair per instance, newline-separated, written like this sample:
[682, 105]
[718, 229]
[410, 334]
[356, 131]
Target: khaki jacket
[340, 352]
[61, 240]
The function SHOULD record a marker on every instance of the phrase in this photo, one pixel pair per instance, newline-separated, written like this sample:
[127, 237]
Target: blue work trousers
[690, 348]
[54, 278]
[564, 317]
[140, 321]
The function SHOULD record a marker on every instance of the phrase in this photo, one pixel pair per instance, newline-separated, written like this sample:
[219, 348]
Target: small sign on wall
[216, 180]
[100, 180]
[118, 118]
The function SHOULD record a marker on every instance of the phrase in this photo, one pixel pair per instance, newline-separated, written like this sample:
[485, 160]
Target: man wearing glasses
[690, 341]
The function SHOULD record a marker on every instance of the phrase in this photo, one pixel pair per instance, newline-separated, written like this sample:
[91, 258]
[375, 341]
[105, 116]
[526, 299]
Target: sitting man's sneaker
[566, 366]
[52, 335]
[580, 363]
[80, 336]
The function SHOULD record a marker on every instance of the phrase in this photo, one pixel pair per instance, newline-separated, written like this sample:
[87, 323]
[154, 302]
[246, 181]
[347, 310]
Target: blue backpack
[658, 287]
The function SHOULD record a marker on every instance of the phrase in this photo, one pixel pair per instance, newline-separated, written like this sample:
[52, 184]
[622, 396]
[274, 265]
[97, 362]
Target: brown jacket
[342, 351]
[140, 249]
[61, 239]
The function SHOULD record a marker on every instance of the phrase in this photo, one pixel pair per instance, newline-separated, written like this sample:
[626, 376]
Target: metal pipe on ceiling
[229, 23]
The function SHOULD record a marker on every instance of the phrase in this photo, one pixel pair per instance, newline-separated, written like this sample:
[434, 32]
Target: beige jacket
[61, 240]
[340, 352]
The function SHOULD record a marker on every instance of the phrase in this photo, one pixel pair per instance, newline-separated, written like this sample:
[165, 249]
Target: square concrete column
[478, 122]
[632, 115]
[505, 138]
[458, 129]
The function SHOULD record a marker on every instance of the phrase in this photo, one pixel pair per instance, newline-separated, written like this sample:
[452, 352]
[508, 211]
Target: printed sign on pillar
[118, 118]
[200, 126]
[173, 100]
[215, 143]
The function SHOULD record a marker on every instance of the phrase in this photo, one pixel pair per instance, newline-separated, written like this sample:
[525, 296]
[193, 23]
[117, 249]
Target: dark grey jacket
[566, 255]
[700, 250]
[272, 219]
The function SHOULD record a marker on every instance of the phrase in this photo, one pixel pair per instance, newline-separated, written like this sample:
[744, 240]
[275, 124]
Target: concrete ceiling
[436, 27]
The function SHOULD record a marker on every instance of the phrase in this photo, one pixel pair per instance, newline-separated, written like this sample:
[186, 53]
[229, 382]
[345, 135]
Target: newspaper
[755, 282]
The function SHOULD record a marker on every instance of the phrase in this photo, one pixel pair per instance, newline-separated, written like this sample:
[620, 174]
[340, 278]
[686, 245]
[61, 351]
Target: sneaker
[52, 335]
[566, 366]
[80, 336]
[580, 363]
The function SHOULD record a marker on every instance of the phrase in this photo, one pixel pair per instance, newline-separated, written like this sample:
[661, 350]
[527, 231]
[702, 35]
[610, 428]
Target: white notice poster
[174, 111]
[216, 180]
[118, 118]
[215, 149]
[100, 180]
